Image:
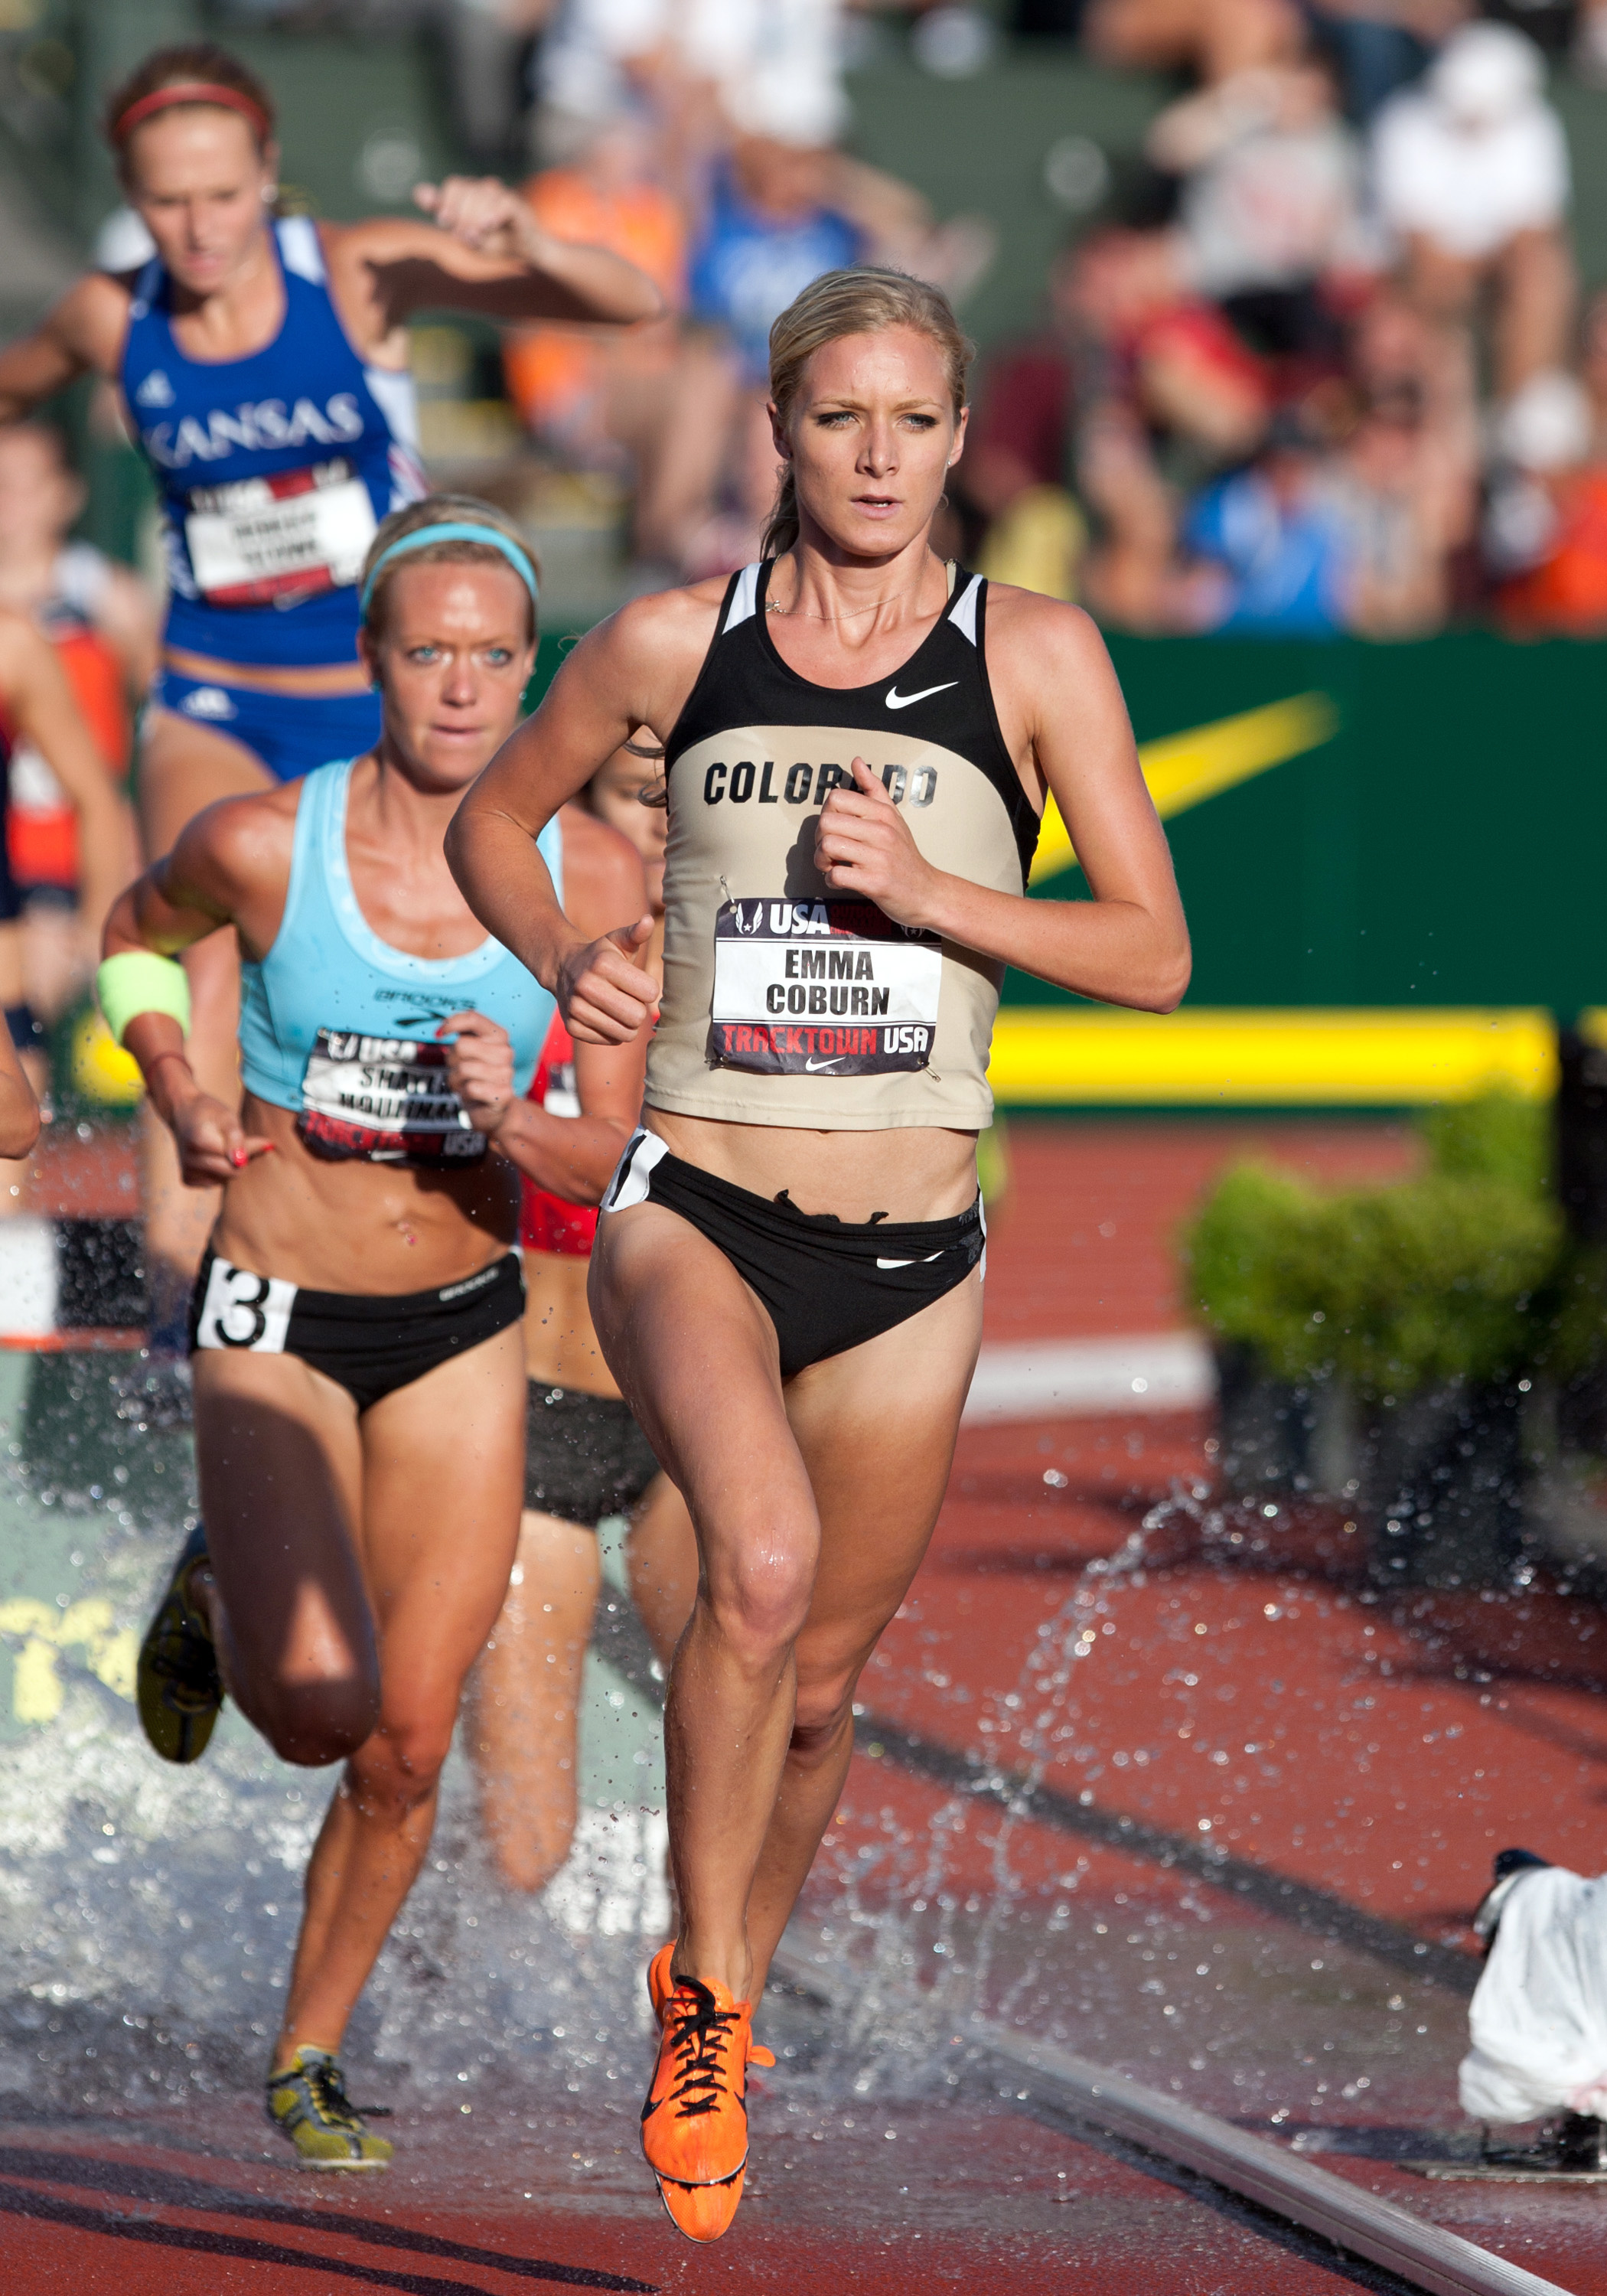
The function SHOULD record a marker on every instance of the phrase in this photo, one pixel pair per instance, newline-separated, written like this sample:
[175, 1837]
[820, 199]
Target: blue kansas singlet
[274, 470]
[339, 1026]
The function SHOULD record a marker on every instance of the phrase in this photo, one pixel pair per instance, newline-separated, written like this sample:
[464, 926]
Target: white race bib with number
[242, 1310]
[827, 988]
[384, 1098]
[261, 539]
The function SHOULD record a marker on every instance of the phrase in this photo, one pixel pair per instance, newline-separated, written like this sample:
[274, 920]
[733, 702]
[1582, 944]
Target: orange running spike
[661, 1980]
[701, 2211]
[694, 2122]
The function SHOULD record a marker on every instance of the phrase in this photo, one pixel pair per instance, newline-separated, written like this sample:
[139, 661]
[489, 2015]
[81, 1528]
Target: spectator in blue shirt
[1272, 531]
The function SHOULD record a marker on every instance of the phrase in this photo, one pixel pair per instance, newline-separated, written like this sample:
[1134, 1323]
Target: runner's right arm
[634, 670]
[18, 1109]
[231, 867]
[570, 1156]
[81, 334]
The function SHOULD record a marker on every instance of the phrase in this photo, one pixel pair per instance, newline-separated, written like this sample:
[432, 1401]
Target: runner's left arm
[40, 704]
[18, 1109]
[485, 252]
[231, 865]
[1058, 697]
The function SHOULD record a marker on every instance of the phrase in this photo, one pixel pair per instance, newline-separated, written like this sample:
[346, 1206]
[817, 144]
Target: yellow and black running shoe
[177, 1681]
[307, 2103]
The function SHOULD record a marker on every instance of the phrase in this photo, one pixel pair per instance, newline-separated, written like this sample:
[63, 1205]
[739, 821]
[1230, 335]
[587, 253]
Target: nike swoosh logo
[910, 1263]
[812, 1066]
[897, 700]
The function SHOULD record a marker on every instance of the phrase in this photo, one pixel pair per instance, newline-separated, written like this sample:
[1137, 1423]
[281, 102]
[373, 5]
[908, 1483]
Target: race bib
[385, 1098]
[242, 1310]
[562, 1096]
[34, 788]
[262, 539]
[830, 988]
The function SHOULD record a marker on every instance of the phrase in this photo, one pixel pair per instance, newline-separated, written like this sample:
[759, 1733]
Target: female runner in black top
[860, 739]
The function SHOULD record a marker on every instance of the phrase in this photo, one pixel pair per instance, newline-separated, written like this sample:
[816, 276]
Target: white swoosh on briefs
[910, 1263]
[897, 700]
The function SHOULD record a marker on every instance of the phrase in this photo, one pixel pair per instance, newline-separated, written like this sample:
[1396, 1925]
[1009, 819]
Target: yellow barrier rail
[1202, 1057]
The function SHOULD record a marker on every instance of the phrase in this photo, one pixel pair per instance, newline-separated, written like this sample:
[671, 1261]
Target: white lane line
[1062, 1379]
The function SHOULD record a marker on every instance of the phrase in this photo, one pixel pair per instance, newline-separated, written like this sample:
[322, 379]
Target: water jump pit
[1145, 1785]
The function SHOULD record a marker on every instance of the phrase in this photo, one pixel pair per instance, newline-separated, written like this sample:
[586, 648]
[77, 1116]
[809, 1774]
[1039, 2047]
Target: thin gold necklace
[799, 613]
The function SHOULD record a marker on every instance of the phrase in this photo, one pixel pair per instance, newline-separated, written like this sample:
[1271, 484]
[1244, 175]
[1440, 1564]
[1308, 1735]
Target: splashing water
[899, 2034]
[147, 1912]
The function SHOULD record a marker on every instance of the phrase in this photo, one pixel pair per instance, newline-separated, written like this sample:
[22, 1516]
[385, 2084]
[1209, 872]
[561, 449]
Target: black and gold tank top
[786, 1003]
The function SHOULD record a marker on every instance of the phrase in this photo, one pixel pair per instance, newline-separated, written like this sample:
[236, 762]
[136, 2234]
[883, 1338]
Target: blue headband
[453, 530]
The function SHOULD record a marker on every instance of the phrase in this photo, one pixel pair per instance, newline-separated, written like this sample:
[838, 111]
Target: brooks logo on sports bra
[786, 1003]
[339, 1026]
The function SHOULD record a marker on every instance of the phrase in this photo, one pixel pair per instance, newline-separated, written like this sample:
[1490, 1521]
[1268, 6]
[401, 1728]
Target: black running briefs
[585, 1455]
[370, 1343]
[827, 1285]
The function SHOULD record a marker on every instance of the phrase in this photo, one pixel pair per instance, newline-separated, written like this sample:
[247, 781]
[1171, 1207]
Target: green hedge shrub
[1462, 1273]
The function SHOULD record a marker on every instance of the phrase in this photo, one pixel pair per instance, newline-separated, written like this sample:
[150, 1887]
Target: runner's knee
[315, 1723]
[824, 1710]
[760, 1600]
[401, 1761]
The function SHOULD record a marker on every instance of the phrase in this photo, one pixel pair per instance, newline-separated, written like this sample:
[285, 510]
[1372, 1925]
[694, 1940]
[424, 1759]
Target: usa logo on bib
[385, 1099]
[823, 989]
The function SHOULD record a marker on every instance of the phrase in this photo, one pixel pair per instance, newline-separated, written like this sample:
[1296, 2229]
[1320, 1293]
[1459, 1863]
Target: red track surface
[1242, 1695]
[976, 2201]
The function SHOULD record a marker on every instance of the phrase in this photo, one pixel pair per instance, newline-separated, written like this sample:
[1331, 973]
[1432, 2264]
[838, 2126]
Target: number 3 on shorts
[243, 1311]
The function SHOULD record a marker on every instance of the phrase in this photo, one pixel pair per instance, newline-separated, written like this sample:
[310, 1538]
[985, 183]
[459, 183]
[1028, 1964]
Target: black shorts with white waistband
[370, 1343]
[585, 1456]
[827, 1285]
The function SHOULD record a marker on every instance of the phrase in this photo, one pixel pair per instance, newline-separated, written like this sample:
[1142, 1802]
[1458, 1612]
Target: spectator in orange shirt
[1546, 527]
[598, 399]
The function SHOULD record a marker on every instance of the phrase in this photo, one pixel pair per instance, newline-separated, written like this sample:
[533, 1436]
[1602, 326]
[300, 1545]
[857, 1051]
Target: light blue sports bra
[341, 1027]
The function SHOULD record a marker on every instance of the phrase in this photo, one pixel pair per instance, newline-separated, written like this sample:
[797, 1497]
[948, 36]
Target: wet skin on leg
[358, 1566]
[813, 1507]
[526, 1697]
[662, 1566]
[526, 1693]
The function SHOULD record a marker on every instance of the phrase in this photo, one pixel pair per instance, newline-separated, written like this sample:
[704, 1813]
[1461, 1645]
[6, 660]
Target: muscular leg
[526, 1696]
[661, 1564]
[443, 1467]
[183, 767]
[695, 1356]
[812, 1510]
[876, 1427]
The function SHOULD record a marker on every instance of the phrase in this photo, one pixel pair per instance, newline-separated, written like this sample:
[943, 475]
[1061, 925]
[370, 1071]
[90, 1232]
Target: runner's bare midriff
[919, 1172]
[359, 1225]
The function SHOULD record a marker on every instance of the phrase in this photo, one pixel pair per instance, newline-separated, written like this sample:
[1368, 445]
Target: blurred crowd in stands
[1319, 365]
[1317, 362]
[1327, 368]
